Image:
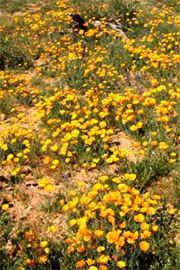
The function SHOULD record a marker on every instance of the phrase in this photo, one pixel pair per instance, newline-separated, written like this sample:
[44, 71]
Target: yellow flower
[43, 244]
[15, 172]
[149, 102]
[48, 188]
[102, 124]
[90, 262]
[100, 249]
[144, 226]
[62, 112]
[75, 133]
[46, 250]
[98, 233]
[67, 160]
[4, 146]
[136, 144]
[126, 176]
[163, 119]
[93, 268]
[42, 259]
[172, 160]
[42, 182]
[171, 211]
[116, 180]
[81, 32]
[103, 259]
[151, 211]
[10, 156]
[146, 234]
[51, 228]
[139, 218]
[133, 128]
[5, 206]
[156, 197]
[140, 111]
[155, 228]
[122, 225]
[139, 125]
[109, 160]
[131, 236]
[123, 188]
[54, 148]
[154, 143]
[55, 162]
[112, 236]
[120, 242]
[80, 184]
[163, 146]
[121, 264]
[97, 187]
[144, 246]
[132, 177]
[16, 160]
[145, 143]
[72, 222]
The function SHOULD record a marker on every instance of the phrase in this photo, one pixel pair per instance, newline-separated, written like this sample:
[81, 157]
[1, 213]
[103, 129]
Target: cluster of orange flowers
[37, 251]
[77, 125]
[112, 220]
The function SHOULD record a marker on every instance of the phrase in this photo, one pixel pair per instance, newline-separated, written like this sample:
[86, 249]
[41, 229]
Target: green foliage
[151, 169]
[100, 9]
[6, 226]
[13, 6]
[12, 55]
